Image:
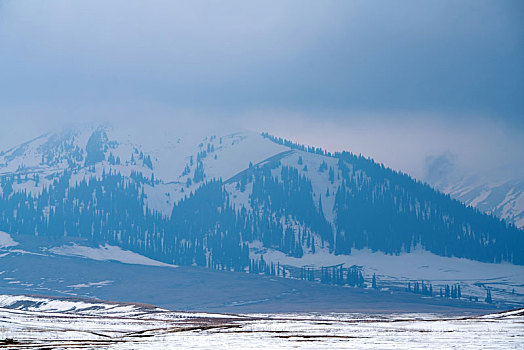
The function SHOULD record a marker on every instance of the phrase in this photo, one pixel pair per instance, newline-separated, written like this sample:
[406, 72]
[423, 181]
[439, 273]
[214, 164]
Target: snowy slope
[83, 307]
[498, 190]
[227, 153]
[107, 252]
[6, 240]
[8, 246]
[164, 155]
[504, 199]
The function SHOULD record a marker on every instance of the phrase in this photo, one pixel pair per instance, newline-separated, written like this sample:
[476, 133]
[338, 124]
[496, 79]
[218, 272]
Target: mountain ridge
[333, 183]
[242, 202]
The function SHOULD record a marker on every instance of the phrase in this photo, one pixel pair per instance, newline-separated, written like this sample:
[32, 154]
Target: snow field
[131, 327]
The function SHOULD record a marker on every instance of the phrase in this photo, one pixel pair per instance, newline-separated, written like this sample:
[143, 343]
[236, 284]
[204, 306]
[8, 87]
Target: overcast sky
[402, 81]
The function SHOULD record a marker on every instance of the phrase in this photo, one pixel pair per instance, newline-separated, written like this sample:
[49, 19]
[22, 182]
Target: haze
[404, 82]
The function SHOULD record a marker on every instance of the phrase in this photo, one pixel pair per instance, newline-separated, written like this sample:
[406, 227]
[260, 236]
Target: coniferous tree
[489, 300]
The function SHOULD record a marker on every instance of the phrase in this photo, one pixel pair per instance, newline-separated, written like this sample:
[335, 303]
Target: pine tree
[488, 296]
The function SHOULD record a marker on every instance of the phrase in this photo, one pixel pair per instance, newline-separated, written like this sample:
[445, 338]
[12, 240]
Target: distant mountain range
[504, 199]
[242, 202]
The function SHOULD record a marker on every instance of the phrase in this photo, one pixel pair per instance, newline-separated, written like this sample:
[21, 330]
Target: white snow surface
[6, 240]
[504, 199]
[91, 284]
[226, 154]
[84, 307]
[106, 253]
[70, 324]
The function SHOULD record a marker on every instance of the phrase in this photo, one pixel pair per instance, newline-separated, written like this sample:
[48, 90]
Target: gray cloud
[398, 81]
[439, 167]
[236, 56]
[476, 146]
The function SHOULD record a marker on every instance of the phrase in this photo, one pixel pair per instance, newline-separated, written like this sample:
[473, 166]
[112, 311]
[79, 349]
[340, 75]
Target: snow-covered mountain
[240, 201]
[495, 189]
[171, 159]
[504, 199]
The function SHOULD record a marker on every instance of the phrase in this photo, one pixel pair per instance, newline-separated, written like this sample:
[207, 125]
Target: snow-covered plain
[30, 322]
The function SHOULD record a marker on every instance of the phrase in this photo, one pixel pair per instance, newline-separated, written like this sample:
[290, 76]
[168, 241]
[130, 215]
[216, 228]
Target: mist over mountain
[498, 191]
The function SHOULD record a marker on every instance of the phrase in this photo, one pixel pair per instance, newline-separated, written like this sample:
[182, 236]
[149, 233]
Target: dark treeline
[297, 146]
[421, 288]
[110, 209]
[333, 275]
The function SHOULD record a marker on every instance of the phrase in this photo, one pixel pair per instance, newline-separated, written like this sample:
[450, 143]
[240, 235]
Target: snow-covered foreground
[27, 322]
